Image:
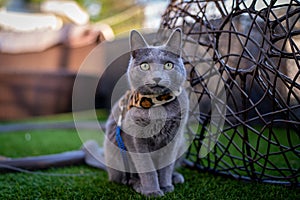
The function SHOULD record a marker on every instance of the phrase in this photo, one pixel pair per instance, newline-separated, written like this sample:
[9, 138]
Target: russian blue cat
[151, 117]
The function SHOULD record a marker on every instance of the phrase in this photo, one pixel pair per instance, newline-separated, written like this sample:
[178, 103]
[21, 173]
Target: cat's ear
[174, 42]
[137, 41]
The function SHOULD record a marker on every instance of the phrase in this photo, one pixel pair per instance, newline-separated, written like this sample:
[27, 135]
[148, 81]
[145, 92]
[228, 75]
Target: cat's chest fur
[155, 127]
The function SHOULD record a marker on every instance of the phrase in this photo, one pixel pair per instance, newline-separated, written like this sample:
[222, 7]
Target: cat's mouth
[149, 89]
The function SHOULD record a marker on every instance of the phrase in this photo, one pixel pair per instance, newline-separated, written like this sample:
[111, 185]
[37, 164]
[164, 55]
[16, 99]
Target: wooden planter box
[25, 93]
[33, 84]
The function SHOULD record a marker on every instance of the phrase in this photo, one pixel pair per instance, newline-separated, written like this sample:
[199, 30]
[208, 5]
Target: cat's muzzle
[150, 89]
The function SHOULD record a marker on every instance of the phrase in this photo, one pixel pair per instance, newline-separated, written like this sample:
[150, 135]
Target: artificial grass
[93, 183]
[96, 186]
[274, 151]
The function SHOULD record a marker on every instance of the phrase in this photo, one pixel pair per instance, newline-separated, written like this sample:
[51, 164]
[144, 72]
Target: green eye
[169, 66]
[145, 66]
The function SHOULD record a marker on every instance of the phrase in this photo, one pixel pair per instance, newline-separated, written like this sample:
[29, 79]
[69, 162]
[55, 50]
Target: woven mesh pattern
[254, 46]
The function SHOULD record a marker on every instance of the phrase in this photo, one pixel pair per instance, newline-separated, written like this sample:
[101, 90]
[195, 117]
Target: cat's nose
[156, 80]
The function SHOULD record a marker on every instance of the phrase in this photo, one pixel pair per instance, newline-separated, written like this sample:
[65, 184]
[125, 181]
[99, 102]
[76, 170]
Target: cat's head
[156, 69]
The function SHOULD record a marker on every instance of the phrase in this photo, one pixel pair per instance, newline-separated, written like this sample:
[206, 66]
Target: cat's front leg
[148, 178]
[165, 178]
[148, 185]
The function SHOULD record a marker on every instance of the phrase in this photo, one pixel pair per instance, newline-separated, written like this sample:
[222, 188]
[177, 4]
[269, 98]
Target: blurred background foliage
[130, 12]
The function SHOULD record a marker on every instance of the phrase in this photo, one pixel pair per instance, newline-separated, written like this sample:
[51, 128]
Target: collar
[136, 99]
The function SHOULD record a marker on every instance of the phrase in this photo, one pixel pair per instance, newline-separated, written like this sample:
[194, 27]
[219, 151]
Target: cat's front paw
[167, 189]
[149, 193]
[156, 193]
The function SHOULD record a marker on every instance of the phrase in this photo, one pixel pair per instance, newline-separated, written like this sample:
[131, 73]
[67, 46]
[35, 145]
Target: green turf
[93, 183]
[264, 153]
[197, 186]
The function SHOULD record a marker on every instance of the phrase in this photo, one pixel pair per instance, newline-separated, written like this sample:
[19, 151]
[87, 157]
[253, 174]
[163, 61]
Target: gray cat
[151, 117]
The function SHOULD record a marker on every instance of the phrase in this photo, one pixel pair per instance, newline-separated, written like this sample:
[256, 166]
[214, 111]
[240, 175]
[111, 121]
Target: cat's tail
[94, 155]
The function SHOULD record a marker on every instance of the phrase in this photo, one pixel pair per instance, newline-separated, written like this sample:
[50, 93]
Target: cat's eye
[168, 66]
[145, 66]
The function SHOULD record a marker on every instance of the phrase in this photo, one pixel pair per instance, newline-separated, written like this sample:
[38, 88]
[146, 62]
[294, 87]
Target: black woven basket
[254, 46]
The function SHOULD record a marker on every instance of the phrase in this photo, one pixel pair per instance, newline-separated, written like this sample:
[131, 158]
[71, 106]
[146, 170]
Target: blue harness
[121, 144]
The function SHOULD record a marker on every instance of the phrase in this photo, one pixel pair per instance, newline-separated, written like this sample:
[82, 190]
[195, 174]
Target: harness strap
[119, 139]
